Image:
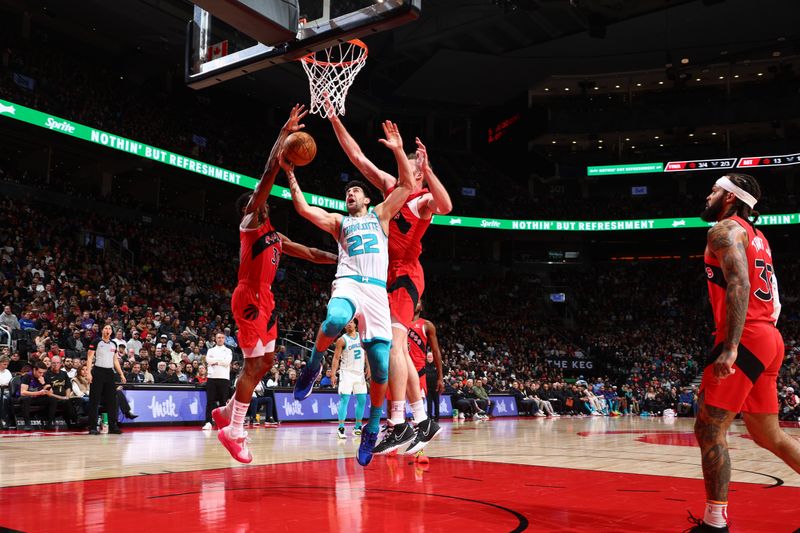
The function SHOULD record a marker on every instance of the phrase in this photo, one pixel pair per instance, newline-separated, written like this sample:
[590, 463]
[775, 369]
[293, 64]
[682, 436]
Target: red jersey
[259, 254]
[418, 343]
[406, 230]
[764, 304]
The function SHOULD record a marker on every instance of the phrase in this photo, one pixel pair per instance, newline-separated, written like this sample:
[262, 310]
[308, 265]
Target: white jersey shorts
[352, 382]
[371, 304]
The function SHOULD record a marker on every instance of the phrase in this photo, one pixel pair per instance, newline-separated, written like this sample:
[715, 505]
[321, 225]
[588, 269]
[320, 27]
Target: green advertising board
[115, 142]
[633, 168]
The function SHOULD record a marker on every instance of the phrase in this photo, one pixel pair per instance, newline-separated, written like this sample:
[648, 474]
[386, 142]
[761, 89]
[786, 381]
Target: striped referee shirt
[104, 353]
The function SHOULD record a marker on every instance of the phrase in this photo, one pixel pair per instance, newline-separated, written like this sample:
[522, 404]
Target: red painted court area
[391, 495]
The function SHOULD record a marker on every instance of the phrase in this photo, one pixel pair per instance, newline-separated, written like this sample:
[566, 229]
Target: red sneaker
[236, 446]
[219, 417]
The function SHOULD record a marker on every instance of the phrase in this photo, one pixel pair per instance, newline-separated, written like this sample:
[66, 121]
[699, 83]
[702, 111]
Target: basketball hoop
[331, 73]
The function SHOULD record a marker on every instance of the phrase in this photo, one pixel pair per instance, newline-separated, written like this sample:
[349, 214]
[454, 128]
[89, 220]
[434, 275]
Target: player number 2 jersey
[352, 355]
[259, 255]
[764, 304]
[363, 249]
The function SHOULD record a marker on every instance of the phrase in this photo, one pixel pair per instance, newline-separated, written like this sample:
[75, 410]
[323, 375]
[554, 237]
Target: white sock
[418, 408]
[237, 418]
[397, 414]
[716, 513]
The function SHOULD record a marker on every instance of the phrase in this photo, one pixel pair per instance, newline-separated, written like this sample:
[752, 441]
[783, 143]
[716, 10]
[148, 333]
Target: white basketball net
[331, 73]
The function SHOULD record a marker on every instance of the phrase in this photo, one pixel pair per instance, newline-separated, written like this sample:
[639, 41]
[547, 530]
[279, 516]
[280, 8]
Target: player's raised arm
[301, 251]
[439, 202]
[433, 340]
[330, 222]
[273, 165]
[728, 242]
[405, 184]
[377, 177]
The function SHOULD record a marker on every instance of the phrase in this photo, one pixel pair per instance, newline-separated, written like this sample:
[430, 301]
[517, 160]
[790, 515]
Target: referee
[102, 361]
[218, 384]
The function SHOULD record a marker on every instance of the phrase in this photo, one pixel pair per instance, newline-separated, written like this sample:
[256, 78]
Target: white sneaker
[556, 415]
[461, 416]
[207, 426]
[540, 414]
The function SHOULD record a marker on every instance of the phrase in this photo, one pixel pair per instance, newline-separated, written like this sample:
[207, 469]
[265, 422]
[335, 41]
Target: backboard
[217, 51]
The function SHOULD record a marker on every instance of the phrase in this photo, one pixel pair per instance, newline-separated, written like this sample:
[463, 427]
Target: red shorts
[256, 318]
[405, 284]
[753, 388]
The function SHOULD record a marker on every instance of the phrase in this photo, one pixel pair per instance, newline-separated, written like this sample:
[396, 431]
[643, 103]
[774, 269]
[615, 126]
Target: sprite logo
[677, 223]
[455, 221]
[7, 109]
[64, 126]
[490, 223]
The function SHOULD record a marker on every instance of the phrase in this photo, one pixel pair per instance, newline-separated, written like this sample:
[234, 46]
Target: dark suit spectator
[61, 388]
[135, 375]
[34, 390]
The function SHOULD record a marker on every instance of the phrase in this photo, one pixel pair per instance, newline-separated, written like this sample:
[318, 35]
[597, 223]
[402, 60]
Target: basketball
[300, 148]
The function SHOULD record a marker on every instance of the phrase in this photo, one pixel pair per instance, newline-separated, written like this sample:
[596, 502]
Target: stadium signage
[640, 168]
[116, 142]
[167, 405]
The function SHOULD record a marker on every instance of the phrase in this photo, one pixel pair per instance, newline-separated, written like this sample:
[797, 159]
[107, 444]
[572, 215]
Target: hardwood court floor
[568, 474]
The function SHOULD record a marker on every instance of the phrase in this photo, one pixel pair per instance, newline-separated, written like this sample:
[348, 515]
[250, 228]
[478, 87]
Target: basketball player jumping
[348, 356]
[406, 280]
[421, 337]
[748, 347]
[360, 286]
[253, 304]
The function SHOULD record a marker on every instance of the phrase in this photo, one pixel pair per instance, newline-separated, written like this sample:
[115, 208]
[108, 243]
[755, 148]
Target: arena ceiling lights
[115, 142]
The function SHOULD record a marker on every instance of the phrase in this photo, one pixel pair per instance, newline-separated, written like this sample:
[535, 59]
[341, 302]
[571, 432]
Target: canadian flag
[215, 51]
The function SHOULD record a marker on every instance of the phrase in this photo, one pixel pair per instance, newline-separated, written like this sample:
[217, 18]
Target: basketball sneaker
[702, 527]
[357, 431]
[207, 426]
[221, 419]
[302, 389]
[394, 438]
[236, 446]
[368, 440]
[426, 432]
[340, 433]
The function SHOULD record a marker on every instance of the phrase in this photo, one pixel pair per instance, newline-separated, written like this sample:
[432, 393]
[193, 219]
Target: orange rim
[309, 58]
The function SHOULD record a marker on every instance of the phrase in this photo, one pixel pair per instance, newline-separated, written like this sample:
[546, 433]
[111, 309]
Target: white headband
[725, 183]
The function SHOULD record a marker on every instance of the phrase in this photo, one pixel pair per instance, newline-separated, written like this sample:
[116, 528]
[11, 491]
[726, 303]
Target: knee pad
[340, 312]
[378, 354]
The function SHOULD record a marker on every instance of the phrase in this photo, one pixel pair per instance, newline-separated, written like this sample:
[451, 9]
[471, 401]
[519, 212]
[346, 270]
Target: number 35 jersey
[764, 304]
[363, 250]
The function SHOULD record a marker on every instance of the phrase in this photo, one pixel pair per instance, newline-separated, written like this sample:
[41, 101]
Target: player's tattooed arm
[272, 167]
[301, 251]
[329, 222]
[728, 242]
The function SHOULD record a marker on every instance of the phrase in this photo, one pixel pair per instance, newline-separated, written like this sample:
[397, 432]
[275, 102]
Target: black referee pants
[433, 402]
[103, 388]
[216, 394]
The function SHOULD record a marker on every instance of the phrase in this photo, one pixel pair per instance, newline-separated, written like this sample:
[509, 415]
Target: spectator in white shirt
[134, 343]
[218, 360]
